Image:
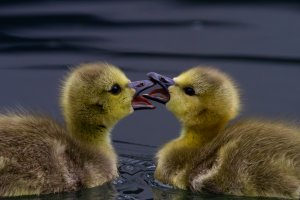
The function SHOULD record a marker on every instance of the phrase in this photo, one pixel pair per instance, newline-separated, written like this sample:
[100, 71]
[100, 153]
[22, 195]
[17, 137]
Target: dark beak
[163, 81]
[139, 102]
[162, 94]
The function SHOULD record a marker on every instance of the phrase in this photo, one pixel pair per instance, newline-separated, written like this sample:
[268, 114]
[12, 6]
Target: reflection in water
[104, 192]
[135, 173]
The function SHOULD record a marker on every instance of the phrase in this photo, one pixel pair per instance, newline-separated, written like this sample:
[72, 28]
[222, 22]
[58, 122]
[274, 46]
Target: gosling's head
[96, 95]
[200, 96]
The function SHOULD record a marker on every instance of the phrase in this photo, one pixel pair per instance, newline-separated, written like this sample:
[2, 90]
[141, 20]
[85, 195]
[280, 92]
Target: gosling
[248, 158]
[39, 156]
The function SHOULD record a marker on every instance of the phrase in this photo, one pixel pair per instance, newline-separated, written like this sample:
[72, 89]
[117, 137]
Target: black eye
[115, 89]
[189, 91]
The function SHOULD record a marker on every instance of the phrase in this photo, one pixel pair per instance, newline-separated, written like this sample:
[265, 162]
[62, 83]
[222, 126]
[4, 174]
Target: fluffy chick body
[248, 158]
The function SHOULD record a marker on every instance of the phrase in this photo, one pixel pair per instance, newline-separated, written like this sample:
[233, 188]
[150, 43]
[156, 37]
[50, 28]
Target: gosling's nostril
[140, 85]
[162, 79]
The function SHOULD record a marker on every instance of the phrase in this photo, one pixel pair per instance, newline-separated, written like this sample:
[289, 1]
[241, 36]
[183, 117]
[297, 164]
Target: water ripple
[86, 20]
[12, 39]
[65, 47]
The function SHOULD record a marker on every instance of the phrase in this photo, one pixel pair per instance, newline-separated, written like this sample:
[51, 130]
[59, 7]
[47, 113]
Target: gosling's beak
[160, 95]
[163, 81]
[139, 102]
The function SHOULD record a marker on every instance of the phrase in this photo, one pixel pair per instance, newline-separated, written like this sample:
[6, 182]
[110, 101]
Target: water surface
[256, 42]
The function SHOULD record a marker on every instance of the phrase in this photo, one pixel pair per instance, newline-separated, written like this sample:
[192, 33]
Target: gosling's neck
[96, 136]
[199, 135]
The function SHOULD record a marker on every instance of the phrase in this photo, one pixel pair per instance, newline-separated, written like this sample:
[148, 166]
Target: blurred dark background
[256, 42]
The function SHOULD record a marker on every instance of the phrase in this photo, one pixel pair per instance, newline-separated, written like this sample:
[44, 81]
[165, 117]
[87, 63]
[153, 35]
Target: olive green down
[252, 157]
[40, 156]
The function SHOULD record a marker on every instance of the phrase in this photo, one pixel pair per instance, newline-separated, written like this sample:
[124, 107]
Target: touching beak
[163, 81]
[160, 95]
[139, 102]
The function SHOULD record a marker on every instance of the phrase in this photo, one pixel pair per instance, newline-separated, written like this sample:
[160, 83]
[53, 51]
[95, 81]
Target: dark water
[256, 42]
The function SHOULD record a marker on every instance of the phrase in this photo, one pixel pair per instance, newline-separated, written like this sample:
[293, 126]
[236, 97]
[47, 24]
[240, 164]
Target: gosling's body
[39, 156]
[248, 158]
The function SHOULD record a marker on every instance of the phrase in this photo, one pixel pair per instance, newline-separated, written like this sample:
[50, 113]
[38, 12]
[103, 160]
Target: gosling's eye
[189, 91]
[115, 89]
